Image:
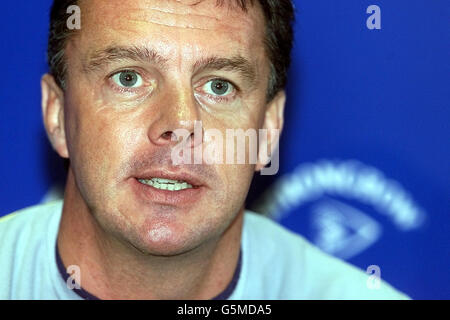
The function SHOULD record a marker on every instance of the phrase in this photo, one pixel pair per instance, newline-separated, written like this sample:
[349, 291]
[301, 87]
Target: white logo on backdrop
[342, 230]
[338, 228]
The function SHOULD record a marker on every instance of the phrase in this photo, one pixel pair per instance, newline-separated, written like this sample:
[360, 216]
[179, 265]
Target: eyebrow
[100, 58]
[237, 64]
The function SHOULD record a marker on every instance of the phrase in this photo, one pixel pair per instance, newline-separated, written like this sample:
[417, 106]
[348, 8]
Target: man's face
[139, 70]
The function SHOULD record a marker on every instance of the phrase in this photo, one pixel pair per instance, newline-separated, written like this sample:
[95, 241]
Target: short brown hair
[279, 16]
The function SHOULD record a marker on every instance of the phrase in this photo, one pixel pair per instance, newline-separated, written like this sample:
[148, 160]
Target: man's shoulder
[23, 230]
[27, 239]
[262, 227]
[32, 217]
[274, 238]
[302, 270]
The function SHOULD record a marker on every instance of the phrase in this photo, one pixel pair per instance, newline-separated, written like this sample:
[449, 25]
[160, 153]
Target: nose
[176, 117]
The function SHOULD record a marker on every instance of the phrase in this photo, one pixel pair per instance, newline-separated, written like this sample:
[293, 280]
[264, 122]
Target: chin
[163, 249]
[164, 239]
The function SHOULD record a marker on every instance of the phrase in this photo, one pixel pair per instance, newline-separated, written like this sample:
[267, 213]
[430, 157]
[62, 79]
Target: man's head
[137, 71]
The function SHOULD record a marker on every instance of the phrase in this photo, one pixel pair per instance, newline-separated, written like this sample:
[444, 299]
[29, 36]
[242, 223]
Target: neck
[113, 269]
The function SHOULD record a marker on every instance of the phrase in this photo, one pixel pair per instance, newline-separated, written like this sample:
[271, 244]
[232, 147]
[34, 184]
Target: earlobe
[53, 114]
[273, 125]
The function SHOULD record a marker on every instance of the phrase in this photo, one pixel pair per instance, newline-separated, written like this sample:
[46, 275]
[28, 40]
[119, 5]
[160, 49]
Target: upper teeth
[166, 184]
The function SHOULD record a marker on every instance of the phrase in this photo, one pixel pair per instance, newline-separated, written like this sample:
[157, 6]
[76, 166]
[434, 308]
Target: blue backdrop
[365, 157]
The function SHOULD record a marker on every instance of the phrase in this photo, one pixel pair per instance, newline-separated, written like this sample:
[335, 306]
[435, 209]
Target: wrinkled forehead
[173, 27]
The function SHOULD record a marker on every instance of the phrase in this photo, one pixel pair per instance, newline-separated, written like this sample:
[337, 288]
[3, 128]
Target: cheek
[236, 177]
[99, 140]
[236, 181]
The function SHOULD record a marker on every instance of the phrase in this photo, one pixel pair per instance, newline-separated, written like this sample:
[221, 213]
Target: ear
[53, 114]
[273, 124]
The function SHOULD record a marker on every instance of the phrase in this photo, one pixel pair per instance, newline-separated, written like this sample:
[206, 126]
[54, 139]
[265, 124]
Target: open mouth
[166, 184]
[177, 189]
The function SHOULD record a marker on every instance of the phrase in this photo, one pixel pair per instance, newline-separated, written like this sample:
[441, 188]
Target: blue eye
[218, 87]
[127, 79]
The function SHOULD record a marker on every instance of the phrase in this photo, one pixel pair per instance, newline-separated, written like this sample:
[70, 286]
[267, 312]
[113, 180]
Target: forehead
[174, 28]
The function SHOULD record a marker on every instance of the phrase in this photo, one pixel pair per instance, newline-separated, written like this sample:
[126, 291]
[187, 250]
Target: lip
[179, 197]
[180, 176]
